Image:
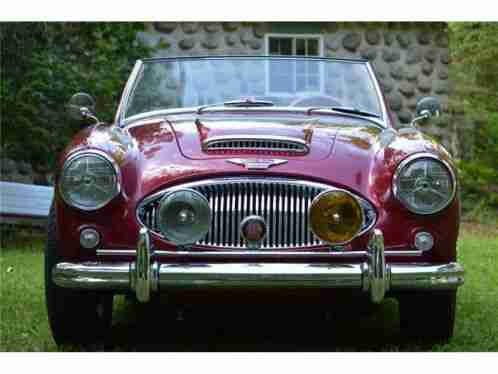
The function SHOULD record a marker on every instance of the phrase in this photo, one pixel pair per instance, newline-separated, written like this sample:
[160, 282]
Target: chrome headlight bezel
[102, 156]
[415, 158]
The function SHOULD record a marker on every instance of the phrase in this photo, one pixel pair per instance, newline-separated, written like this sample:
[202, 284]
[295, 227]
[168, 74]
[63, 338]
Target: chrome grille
[283, 203]
[269, 144]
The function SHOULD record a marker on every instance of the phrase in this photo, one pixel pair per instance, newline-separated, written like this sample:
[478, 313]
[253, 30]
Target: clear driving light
[89, 180]
[424, 184]
[184, 216]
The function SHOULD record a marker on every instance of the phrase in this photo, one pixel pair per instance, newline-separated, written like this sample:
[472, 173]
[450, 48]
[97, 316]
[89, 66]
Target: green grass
[24, 326]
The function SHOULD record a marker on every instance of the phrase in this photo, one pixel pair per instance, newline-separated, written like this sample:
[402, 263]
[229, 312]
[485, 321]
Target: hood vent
[260, 144]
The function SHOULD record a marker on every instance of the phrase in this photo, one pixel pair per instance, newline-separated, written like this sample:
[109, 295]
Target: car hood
[341, 150]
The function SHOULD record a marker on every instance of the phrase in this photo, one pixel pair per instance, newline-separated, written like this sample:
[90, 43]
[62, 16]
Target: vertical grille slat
[284, 205]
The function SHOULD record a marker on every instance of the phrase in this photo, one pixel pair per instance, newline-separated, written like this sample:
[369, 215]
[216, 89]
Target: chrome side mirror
[81, 106]
[427, 108]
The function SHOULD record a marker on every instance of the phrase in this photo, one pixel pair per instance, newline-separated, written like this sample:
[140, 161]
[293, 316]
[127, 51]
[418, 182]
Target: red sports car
[249, 173]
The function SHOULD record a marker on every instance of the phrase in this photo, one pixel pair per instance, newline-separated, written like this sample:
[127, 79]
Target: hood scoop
[255, 143]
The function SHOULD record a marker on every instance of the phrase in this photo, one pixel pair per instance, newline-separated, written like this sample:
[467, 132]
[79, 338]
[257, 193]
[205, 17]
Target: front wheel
[75, 317]
[427, 315]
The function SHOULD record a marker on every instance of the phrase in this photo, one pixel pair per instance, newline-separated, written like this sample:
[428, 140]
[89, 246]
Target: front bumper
[145, 276]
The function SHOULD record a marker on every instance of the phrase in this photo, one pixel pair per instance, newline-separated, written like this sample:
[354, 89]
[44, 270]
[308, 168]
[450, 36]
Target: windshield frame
[122, 121]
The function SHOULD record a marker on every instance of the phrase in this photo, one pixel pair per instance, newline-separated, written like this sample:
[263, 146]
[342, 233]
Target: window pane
[286, 46]
[274, 46]
[301, 47]
[312, 47]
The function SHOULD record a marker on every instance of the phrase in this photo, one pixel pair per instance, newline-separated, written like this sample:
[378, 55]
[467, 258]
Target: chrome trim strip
[129, 87]
[413, 158]
[97, 153]
[255, 254]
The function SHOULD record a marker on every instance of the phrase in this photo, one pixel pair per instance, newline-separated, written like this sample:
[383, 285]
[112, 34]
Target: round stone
[230, 40]
[390, 55]
[387, 85]
[259, 29]
[24, 168]
[230, 26]
[255, 44]
[424, 38]
[442, 88]
[424, 85]
[166, 27]
[411, 73]
[372, 37]
[404, 39]
[443, 74]
[413, 56]
[190, 27]
[212, 27]
[395, 101]
[406, 89]
[388, 38]
[431, 55]
[369, 53]
[405, 117]
[8, 166]
[210, 42]
[333, 43]
[427, 68]
[397, 72]
[187, 43]
[445, 58]
[442, 40]
[351, 41]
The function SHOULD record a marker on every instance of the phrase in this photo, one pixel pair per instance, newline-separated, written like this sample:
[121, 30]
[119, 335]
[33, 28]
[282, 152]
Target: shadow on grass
[251, 327]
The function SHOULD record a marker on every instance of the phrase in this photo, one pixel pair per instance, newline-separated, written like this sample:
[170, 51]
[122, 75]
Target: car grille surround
[283, 204]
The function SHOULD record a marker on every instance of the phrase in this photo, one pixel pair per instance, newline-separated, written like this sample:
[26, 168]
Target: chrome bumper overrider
[145, 275]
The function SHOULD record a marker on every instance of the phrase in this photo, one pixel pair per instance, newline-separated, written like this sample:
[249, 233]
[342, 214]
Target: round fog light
[184, 216]
[424, 241]
[89, 238]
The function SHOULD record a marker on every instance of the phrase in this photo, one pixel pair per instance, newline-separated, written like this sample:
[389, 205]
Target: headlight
[184, 216]
[424, 184]
[335, 217]
[89, 180]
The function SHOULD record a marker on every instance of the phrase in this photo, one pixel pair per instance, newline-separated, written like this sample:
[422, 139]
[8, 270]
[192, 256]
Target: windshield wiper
[346, 109]
[238, 103]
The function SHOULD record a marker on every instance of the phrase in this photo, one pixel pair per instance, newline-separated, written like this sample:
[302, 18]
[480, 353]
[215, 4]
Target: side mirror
[427, 108]
[81, 106]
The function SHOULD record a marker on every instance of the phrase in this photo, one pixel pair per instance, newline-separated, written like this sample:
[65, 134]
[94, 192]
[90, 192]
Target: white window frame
[294, 37]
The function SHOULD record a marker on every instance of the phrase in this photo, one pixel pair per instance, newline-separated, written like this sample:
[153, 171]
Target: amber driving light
[335, 217]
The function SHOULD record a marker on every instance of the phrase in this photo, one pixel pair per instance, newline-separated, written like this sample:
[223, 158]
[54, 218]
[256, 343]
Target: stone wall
[411, 59]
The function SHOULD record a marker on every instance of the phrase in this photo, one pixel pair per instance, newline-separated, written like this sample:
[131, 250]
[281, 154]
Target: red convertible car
[246, 173]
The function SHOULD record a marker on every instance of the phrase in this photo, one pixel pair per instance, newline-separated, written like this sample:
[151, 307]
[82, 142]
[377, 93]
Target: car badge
[257, 164]
[253, 231]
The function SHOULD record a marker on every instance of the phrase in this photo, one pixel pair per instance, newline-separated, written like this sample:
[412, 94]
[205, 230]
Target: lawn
[24, 326]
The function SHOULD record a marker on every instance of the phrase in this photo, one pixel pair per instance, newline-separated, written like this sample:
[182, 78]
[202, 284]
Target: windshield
[283, 82]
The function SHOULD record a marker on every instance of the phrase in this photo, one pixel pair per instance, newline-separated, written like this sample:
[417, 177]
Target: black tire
[427, 315]
[75, 317]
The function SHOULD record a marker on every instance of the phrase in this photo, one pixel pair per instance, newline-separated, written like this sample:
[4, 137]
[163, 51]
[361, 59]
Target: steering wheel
[316, 100]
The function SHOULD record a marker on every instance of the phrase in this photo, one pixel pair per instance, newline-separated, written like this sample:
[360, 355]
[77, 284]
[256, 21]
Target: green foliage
[43, 65]
[474, 73]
